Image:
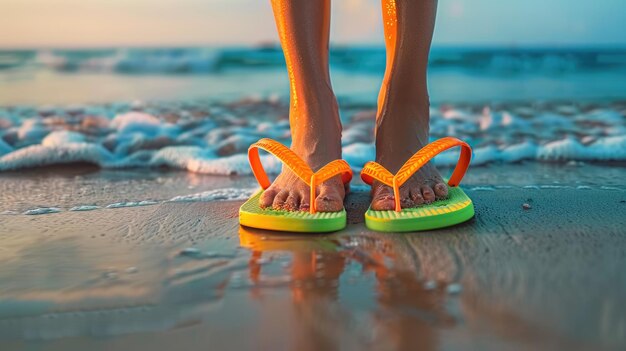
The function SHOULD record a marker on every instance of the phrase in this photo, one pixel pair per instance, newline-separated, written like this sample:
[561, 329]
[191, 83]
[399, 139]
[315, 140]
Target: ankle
[399, 134]
[406, 129]
[316, 129]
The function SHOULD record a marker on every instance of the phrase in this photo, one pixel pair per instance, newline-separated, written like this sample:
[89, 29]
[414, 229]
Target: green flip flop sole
[455, 209]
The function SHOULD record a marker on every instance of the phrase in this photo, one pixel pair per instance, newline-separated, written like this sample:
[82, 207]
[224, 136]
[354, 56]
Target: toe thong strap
[374, 171]
[296, 165]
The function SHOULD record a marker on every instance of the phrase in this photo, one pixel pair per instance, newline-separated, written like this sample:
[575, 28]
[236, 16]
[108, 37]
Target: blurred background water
[456, 74]
[81, 52]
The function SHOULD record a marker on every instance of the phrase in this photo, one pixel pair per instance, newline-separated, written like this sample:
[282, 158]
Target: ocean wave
[361, 59]
[215, 141]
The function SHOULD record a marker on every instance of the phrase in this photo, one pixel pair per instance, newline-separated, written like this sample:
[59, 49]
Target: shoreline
[83, 187]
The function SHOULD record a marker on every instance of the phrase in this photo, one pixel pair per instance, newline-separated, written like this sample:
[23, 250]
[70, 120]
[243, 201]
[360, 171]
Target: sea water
[455, 74]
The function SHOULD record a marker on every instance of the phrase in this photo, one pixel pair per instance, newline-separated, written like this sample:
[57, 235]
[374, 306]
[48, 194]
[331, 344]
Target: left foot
[398, 137]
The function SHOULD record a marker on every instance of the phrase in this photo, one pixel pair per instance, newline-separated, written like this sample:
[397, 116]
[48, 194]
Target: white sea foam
[218, 144]
[605, 149]
[62, 138]
[358, 154]
[132, 204]
[42, 210]
[85, 208]
[217, 194]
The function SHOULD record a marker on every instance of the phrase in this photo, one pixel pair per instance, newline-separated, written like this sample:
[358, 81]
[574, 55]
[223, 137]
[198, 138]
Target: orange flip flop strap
[373, 170]
[296, 165]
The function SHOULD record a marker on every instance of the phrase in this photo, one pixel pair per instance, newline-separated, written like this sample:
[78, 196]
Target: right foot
[317, 140]
[400, 133]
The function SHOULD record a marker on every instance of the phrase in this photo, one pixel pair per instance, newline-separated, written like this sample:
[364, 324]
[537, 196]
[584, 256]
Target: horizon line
[270, 44]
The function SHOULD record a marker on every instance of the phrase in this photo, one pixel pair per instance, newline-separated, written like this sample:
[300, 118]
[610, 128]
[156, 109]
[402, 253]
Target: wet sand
[186, 276]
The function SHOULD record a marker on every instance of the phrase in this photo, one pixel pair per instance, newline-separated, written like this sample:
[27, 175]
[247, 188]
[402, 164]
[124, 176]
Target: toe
[382, 199]
[416, 196]
[279, 200]
[293, 202]
[305, 199]
[405, 198]
[441, 190]
[428, 194]
[267, 198]
[329, 200]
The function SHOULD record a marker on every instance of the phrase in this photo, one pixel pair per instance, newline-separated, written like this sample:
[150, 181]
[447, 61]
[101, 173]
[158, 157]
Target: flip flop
[252, 215]
[456, 208]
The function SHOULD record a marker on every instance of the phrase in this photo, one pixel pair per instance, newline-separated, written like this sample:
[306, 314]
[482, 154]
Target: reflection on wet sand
[407, 311]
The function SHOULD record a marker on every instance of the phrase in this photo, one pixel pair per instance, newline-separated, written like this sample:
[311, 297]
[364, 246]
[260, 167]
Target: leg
[303, 28]
[403, 106]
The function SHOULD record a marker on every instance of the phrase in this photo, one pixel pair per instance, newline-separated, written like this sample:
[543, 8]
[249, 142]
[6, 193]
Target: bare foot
[316, 134]
[398, 137]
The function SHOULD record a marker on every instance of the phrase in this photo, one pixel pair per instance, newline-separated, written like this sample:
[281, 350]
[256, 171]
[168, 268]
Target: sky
[106, 23]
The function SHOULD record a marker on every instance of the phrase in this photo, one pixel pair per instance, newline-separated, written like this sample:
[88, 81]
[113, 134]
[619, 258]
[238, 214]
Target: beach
[540, 266]
[122, 171]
